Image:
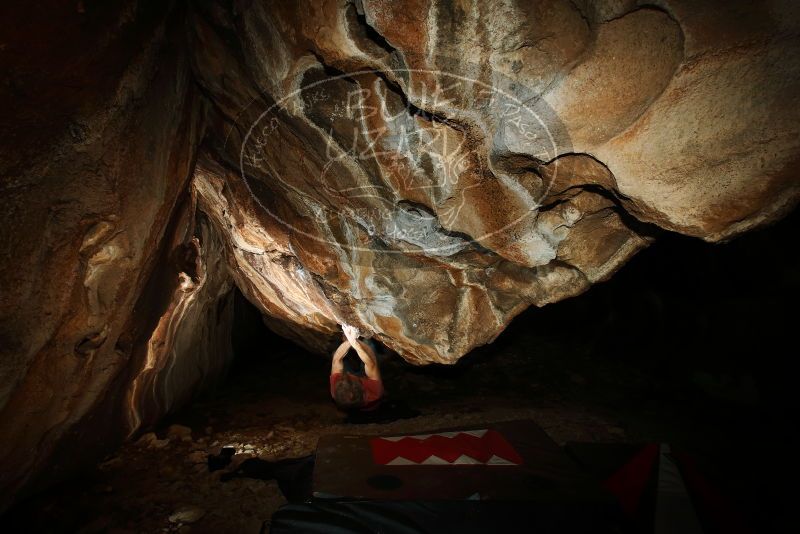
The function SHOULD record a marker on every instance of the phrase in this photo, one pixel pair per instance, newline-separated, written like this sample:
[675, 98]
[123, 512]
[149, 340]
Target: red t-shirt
[373, 389]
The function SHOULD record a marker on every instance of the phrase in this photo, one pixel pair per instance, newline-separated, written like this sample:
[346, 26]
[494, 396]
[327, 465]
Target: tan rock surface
[97, 141]
[426, 170]
[423, 169]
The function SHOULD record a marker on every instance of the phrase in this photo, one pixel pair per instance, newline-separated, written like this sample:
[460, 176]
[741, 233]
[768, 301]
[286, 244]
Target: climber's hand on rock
[351, 333]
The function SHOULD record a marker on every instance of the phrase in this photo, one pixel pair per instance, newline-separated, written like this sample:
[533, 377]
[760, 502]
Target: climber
[355, 387]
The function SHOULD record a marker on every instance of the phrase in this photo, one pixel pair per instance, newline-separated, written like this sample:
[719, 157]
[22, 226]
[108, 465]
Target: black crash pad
[434, 517]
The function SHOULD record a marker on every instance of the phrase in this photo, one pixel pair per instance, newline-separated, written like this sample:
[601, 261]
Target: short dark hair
[348, 392]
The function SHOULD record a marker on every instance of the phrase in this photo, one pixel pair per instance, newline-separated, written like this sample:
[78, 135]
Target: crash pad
[512, 460]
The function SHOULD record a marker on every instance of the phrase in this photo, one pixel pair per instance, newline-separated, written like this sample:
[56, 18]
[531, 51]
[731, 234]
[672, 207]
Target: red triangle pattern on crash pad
[630, 481]
[481, 447]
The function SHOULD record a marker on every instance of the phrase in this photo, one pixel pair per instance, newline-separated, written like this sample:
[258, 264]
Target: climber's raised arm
[337, 366]
[367, 356]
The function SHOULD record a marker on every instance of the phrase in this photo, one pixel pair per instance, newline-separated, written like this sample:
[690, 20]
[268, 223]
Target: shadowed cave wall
[135, 195]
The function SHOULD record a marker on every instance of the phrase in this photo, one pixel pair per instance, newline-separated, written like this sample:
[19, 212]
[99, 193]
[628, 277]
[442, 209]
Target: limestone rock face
[427, 169]
[421, 169]
[99, 129]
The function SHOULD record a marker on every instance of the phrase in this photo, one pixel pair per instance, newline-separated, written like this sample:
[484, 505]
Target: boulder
[424, 170]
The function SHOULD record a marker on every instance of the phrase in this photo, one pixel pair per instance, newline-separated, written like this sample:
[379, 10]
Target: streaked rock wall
[98, 137]
[423, 169]
[427, 169]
